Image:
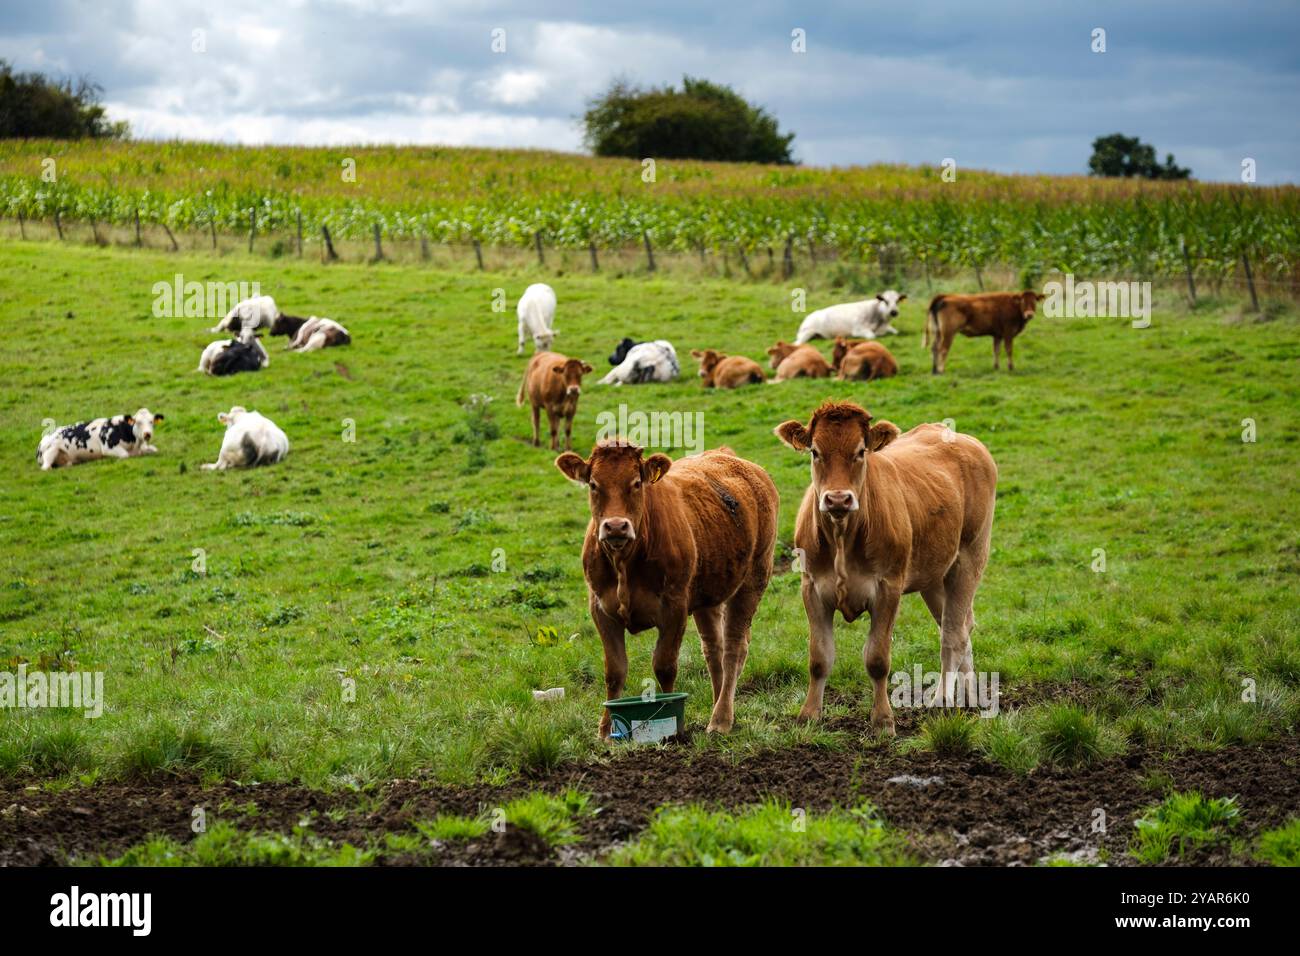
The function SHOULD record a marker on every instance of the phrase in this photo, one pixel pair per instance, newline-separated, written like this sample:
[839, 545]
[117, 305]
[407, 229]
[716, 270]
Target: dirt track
[976, 814]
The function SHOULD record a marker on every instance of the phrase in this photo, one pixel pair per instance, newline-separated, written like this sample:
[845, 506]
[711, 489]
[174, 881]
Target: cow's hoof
[719, 727]
[807, 716]
[883, 728]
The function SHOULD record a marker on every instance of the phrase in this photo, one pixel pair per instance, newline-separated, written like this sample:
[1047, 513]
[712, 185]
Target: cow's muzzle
[573, 391]
[616, 532]
[839, 504]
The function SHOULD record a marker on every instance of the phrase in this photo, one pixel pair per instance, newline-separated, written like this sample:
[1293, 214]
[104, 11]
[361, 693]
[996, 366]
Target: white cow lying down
[862, 320]
[648, 362]
[255, 313]
[317, 333]
[536, 311]
[251, 439]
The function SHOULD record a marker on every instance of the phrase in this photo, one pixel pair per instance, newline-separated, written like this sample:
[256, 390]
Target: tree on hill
[1120, 155]
[33, 105]
[702, 120]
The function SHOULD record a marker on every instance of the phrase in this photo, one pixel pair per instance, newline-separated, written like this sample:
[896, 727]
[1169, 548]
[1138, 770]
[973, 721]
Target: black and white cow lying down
[308, 335]
[122, 436]
[259, 312]
[227, 357]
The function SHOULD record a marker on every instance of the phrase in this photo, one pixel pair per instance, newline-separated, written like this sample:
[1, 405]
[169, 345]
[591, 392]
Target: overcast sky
[994, 85]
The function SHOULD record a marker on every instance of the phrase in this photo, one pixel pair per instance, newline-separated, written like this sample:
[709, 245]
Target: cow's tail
[519, 398]
[932, 322]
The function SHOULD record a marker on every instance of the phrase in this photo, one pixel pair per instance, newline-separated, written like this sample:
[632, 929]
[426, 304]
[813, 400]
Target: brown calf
[797, 361]
[1002, 315]
[720, 370]
[671, 539]
[862, 359]
[553, 381]
[886, 515]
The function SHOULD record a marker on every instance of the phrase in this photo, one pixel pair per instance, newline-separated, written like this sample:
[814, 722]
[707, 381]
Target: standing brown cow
[554, 382]
[671, 539]
[886, 515]
[720, 370]
[862, 359]
[1002, 315]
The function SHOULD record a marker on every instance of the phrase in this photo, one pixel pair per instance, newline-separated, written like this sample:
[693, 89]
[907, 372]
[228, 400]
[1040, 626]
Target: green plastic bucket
[646, 720]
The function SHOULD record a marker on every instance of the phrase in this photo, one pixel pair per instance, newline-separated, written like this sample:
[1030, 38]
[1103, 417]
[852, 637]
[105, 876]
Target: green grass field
[372, 560]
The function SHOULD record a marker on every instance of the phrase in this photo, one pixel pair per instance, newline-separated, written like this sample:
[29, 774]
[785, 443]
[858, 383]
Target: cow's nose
[575, 390]
[839, 502]
[893, 313]
[616, 529]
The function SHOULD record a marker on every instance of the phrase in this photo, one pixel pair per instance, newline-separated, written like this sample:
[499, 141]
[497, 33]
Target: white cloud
[514, 87]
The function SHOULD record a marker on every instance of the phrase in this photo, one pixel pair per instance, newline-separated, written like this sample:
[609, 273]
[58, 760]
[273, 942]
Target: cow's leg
[876, 653]
[554, 421]
[944, 346]
[821, 649]
[568, 431]
[672, 625]
[520, 350]
[735, 631]
[537, 426]
[997, 345]
[708, 621]
[956, 659]
[612, 639]
[1011, 365]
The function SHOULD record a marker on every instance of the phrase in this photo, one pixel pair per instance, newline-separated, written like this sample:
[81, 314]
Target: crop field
[912, 216]
[332, 660]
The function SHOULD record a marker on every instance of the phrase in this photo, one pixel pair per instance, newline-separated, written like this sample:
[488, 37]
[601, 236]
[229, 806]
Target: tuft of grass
[949, 734]
[772, 834]
[1006, 741]
[1188, 820]
[551, 817]
[1069, 736]
[448, 827]
[164, 747]
[225, 845]
[1280, 846]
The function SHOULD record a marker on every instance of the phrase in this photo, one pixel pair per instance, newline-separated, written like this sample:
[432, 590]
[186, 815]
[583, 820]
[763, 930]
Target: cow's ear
[558, 369]
[880, 296]
[696, 354]
[130, 419]
[793, 433]
[655, 467]
[881, 434]
[223, 418]
[586, 369]
[902, 297]
[572, 466]
[159, 418]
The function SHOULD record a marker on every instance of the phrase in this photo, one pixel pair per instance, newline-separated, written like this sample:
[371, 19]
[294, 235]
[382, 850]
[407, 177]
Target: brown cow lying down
[720, 370]
[885, 515]
[1002, 315]
[797, 361]
[862, 359]
[553, 382]
[671, 539]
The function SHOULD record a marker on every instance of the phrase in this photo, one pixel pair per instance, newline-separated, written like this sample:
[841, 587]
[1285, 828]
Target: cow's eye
[815, 456]
[636, 483]
[862, 453]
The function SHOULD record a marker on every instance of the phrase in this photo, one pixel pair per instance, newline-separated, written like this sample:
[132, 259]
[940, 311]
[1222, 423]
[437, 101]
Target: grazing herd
[250, 439]
[884, 514]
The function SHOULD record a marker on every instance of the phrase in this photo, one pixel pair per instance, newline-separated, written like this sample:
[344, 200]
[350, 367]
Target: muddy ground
[957, 810]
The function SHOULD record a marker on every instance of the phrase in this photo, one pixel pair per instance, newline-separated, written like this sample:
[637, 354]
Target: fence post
[649, 251]
[252, 226]
[926, 263]
[424, 248]
[299, 233]
[22, 226]
[1187, 265]
[595, 264]
[176, 246]
[137, 227]
[58, 225]
[327, 253]
[212, 225]
[379, 250]
[94, 231]
[1250, 282]
[744, 260]
[979, 278]
[537, 238]
[787, 258]
[812, 251]
[478, 254]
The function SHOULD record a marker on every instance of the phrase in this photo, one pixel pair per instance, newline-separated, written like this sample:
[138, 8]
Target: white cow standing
[251, 439]
[257, 312]
[862, 320]
[536, 311]
[648, 362]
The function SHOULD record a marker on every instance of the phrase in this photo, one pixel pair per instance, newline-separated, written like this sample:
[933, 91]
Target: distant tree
[702, 120]
[34, 105]
[1120, 155]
